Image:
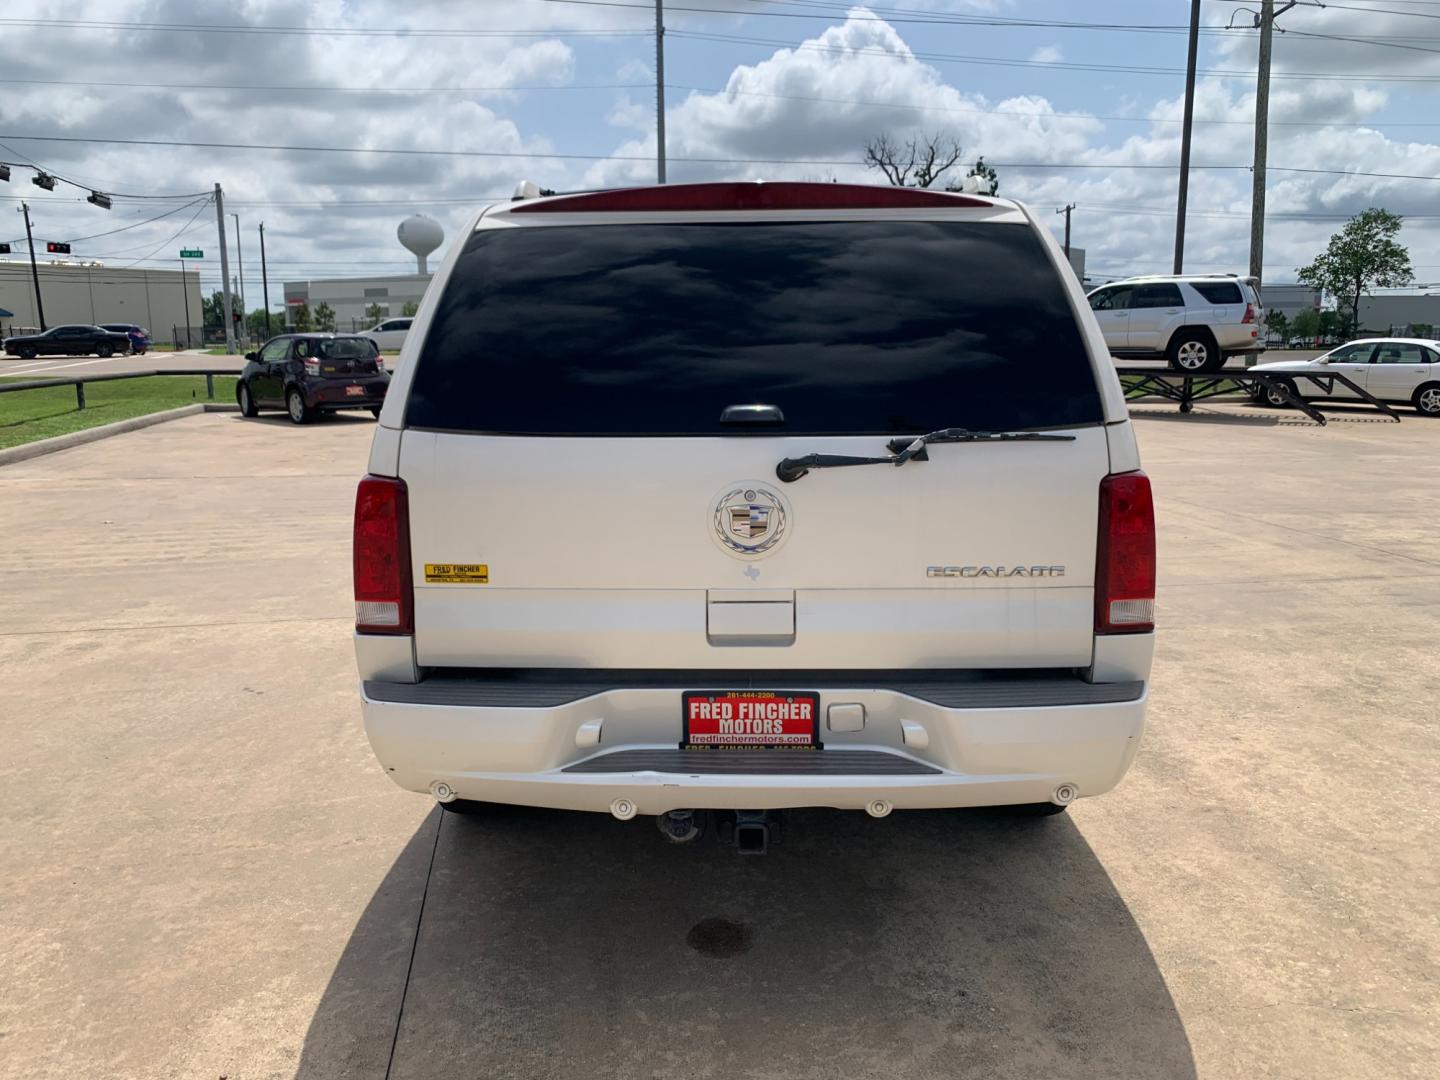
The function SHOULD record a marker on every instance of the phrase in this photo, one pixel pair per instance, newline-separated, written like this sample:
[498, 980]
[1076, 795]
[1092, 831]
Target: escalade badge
[749, 521]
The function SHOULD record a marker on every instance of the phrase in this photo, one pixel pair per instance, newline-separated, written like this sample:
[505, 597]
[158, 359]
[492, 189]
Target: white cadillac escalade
[706, 501]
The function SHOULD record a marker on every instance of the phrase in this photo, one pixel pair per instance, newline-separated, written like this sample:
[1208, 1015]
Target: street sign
[191, 253]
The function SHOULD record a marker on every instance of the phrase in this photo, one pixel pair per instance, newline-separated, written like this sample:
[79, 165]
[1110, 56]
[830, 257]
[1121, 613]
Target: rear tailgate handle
[750, 616]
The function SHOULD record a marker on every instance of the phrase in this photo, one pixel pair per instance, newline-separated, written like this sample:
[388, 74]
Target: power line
[416, 152]
[31, 163]
[718, 90]
[409, 151]
[309, 31]
[835, 11]
[171, 239]
[387, 89]
[1309, 35]
[1351, 7]
[985, 61]
[136, 225]
[1035, 113]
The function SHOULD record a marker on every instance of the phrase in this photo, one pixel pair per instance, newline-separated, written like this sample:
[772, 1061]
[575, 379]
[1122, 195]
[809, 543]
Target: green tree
[989, 178]
[212, 310]
[1362, 256]
[1306, 324]
[255, 323]
[303, 322]
[325, 317]
[410, 308]
[374, 312]
[1333, 325]
[1277, 323]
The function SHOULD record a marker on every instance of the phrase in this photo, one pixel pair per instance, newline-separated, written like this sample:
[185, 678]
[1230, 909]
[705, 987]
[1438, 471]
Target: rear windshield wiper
[903, 450]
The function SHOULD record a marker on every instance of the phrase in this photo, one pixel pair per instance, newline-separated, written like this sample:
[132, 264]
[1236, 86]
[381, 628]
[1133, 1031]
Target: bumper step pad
[755, 763]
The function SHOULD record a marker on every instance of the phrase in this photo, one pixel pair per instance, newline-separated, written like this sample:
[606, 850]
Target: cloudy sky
[1074, 103]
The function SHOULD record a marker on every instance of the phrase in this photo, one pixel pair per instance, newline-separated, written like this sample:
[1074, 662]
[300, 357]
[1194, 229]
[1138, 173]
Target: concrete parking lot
[206, 875]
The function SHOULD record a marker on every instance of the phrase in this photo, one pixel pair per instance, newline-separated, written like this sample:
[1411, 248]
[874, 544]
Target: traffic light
[4, 249]
[5, 173]
[57, 249]
[98, 199]
[44, 180]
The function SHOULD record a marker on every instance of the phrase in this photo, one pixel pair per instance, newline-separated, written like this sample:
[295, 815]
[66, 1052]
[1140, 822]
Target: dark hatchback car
[75, 339]
[138, 335]
[305, 374]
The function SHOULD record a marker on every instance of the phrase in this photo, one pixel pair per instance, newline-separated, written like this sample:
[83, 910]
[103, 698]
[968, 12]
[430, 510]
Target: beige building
[87, 292]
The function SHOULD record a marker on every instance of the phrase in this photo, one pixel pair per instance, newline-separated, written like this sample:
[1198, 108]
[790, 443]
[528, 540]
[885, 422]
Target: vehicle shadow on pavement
[279, 419]
[926, 944]
[1256, 418]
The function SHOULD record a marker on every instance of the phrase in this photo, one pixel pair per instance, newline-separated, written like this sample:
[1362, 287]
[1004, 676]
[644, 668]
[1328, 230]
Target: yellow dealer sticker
[458, 573]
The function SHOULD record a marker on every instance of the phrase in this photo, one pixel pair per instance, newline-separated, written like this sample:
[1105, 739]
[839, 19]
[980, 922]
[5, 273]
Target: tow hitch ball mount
[750, 831]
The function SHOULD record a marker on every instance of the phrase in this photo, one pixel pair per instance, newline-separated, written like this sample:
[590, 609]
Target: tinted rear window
[347, 348]
[850, 328]
[1219, 292]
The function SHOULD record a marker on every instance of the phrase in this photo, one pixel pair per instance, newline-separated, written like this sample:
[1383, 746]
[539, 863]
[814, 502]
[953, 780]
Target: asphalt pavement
[207, 875]
[68, 367]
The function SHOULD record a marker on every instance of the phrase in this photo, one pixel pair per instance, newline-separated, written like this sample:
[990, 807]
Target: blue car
[138, 335]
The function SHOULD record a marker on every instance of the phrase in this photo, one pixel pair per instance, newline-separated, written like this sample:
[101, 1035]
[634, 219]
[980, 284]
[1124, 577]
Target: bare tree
[918, 163]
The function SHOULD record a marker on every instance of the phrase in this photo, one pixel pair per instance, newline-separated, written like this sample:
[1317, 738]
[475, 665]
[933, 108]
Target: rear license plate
[354, 391]
[767, 719]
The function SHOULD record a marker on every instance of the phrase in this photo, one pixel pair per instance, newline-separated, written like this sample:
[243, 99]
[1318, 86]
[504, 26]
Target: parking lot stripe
[48, 366]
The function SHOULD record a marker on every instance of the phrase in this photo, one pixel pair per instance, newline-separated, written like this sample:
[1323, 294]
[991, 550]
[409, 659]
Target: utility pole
[660, 91]
[185, 292]
[240, 258]
[34, 271]
[1265, 22]
[1066, 211]
[264, 281]
[1185, 137]
[225, 273]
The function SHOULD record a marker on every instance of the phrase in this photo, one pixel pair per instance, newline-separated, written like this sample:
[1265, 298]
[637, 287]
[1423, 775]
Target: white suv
[650, 527]
[1194, 322]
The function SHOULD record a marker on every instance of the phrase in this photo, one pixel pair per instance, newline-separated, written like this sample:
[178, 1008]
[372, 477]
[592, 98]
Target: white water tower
[421, 235]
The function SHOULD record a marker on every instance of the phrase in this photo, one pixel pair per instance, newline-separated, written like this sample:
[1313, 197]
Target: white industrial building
[359, 302]
[351, 298]
[91, 292]
[1290, 300]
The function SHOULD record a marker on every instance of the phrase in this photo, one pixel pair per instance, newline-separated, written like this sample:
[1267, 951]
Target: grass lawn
[40, 414]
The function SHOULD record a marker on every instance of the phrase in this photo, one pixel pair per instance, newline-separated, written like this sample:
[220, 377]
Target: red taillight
[1125, 556]
[384, 599]
[749, 196]
[1249, 314]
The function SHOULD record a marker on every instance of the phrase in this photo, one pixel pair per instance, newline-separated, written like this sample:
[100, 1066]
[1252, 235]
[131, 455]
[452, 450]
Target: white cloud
[1047, 54]
[825, 104]
[824, 101]
[821, 104]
